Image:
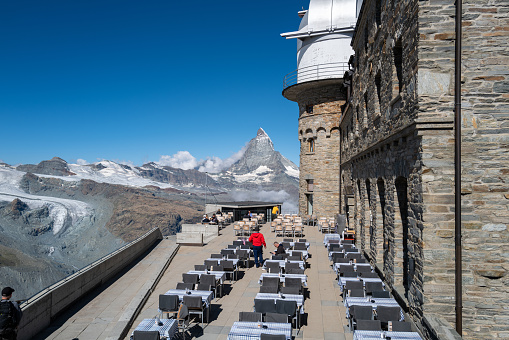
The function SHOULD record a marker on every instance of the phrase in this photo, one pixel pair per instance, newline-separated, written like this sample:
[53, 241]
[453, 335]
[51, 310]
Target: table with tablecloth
[373, 302]
[289, 297]
[283, 262]
[205, 295]
[377, 335]
[166, 327]
[303, 277]
[328, 237]
[252, 330]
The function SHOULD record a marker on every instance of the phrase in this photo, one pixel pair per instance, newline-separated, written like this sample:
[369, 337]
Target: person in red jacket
[258, 241]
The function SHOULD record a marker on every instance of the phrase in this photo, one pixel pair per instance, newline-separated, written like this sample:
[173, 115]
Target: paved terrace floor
[102, 316]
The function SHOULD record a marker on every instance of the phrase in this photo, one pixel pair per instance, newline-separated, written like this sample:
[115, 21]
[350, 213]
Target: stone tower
[323, 50]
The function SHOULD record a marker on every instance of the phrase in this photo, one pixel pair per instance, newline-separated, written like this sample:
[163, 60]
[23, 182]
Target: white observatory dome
[323, 39]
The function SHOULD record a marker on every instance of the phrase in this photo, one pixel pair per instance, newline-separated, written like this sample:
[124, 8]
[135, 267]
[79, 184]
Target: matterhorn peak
[261, 133]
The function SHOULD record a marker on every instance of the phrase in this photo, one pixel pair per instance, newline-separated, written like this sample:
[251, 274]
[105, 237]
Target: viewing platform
[113, 311]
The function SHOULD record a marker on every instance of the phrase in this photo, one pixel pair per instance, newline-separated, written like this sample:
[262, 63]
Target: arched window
[311, 145]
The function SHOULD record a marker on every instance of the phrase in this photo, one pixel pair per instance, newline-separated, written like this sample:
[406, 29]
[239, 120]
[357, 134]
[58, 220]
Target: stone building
[323, 49]
[397, 157]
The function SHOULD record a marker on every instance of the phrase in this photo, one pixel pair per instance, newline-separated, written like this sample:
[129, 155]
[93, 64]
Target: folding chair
[183, 319]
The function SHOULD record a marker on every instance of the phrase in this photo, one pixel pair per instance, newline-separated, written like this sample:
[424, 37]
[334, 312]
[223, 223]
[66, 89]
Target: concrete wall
[39, 310]
[197, 234]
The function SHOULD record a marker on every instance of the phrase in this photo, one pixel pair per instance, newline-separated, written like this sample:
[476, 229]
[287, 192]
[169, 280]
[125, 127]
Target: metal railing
[315, 72]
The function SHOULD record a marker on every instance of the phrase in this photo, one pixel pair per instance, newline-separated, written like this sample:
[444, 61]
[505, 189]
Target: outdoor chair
[345, 268]
[264, 306]
[190, 278]
[339, 259]
[370, 275]
[203, 286]
[368, 325]
[243, 256]
[294, 271]
[387, 313]
[210, 280]
[381, 294]
[232, 256]
[294, 282]
[372, 286]
[232, 246]
[355, 292]
[289, 308]
[265, 336]
[238, 243]
[245, 247]
[291, 265]
[363, 269]
[217, 268]
[269, 289]
[399, 326]
[184, 286]
[347, 242]
[250, 316]
[277, 257]
[300, 246]
[334, 247]
[200, 267]
[291, 290]
[295, 258]
[276, 317]
[288, 240]
[302, 240]
[216, 256]
[210, 263]
[195, 305]
[226, 252]
[168, 304]
[286, 245]
[361, 260]
[146, 335]
[271, 281]
[183, 319]
[353, 256]
[229, 268]
[272, 267]
[350, 274]
[360, 313]
[353, 285]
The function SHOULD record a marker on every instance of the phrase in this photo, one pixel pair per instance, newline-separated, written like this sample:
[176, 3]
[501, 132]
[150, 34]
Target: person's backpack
[7, 322]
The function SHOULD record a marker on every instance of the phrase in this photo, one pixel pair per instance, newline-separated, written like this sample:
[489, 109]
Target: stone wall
[397, 154]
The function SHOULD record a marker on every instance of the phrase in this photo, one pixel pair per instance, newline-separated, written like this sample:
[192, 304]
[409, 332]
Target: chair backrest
[349, 274]
[294, 271]
[371, 286]
[364, 269]
[287, 307]
[354, 285]
[302, 240]
[341, 260]
[265, 336]
[200, 267]
[333, 241]
[291, 290]
[271, 281]
[238, 243]
[217, 268]
[334, 247]
[225, 252]
[277, 257]
[347, 242]
[190, 278]
[353, 255]
[232, 246]
[368, 275]
[232, 256]
[203, 286]
[336, 256]
[265, 306]
[227, 265]
[293, 282]
[208, 280]
[210, 263]
[380, 294]
[242, 254]
[286, 245]
[388, 313]
[346, 268]
[146, 335]
[269, 289]
[250, 316]
[193, 302]
[298, 253]
[294, 258]
[245, 246]
[183, 286]
[361, 312]
[400, 326]
[291, 265]
[356, 292]
[361, 260]
[168, 303]
[348, 246]
[369, 325]
[216, 256]
[300, 246]
[276, 317]
[183, 312]
[288, 240]
[272, 267]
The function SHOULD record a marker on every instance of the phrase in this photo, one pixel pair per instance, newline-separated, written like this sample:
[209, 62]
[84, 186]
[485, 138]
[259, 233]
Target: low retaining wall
[39, 310]
[197, 234]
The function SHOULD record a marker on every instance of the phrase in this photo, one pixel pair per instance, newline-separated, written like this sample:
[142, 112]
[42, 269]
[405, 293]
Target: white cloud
[80, 161]
[216, 164]
[184, 160]
[181, 160]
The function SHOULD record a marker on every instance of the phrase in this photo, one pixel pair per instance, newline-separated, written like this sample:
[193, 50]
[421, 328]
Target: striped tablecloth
[290, 297]
[168, 328]
[206, 296]
[328, 237]
[235, 261]
[373, 302]
[282, 277]
[220, 275]
[252, 330]
[372, 335]
[282, 263]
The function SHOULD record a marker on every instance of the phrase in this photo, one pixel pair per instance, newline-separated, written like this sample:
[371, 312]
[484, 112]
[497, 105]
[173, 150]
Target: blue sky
[136, 80]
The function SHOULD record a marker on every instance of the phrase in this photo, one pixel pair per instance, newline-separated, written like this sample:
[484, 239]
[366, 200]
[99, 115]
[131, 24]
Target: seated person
[214, 219]
[279, 249]
[205, 219]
